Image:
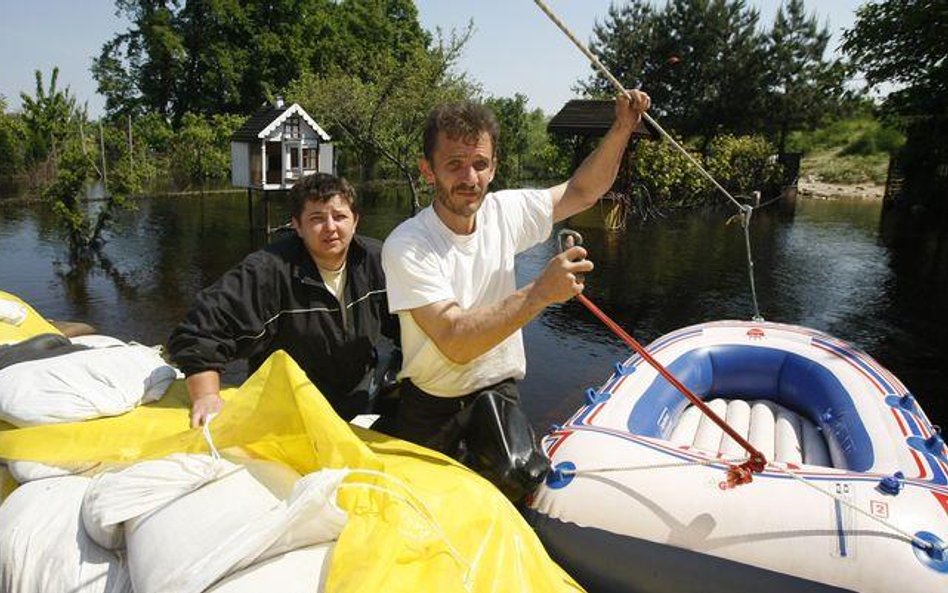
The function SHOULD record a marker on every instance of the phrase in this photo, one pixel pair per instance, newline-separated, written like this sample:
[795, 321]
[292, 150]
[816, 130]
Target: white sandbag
[12, 312]
[82, 385]
[115, 497]
[226, 526]
[28, 471]
[300, 571]
[97, 341]
[43, 548]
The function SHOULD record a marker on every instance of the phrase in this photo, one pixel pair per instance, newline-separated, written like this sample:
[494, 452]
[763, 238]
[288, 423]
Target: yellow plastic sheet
[439, 527]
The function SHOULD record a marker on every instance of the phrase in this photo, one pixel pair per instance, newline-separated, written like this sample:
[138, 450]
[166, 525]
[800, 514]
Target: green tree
[138, 71]
[200, 149]
[48, 117]
[702, 61]
[544, 161]
[385, 114]
[59, 127]
[803, 87]
[904, 43]
[230, 56]
[361, 37]
[512, 116]
[12, 141]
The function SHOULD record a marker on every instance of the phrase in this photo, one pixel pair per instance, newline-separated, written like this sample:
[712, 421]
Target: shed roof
[262, 123]
[592, 117]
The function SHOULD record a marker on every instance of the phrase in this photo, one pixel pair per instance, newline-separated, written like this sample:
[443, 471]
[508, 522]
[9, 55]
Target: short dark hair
[465, 119]
[320, 187]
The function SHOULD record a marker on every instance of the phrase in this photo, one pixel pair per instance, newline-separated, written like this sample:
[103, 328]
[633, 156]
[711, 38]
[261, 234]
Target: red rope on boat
[737, 474]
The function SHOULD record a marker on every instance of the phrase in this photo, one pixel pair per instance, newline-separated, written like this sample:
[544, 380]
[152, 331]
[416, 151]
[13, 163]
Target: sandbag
[82, 385]
[300, 571]
[37, 348]
[387, 545]
[12, 312]
[229, 524]
[28, 471]
[44, 549]
[97, 341]
[116, 497]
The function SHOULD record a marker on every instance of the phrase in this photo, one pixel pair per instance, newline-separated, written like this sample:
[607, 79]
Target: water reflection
[828, 265]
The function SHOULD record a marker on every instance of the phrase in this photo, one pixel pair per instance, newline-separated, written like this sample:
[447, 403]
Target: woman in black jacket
[319, 295]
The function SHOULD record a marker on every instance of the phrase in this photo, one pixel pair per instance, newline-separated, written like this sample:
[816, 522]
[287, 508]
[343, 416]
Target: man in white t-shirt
[450, 278]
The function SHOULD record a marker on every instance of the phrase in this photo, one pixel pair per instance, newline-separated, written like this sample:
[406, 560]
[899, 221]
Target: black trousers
[486, 430]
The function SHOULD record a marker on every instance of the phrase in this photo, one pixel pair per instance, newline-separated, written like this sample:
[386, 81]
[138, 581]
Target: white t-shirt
[425, 262]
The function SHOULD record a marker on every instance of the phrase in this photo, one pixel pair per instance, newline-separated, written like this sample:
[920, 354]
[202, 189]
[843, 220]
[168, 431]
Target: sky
[515, 47]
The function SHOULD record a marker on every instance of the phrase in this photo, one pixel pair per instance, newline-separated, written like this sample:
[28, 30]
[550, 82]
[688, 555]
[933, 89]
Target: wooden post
[266, 210]
[250, 207]
[131, 151]
[105, 176]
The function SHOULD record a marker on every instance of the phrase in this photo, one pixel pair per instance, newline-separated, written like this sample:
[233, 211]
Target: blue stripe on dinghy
[840, 530]
[607, 562]
[911, 422]
[752, 372]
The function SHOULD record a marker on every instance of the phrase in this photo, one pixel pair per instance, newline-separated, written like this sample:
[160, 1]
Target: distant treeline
[186, 74]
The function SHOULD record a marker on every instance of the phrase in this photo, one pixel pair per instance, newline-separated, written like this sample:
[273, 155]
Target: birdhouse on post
[277, 146]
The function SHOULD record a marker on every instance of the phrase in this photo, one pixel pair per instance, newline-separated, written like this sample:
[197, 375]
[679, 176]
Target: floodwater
[830, 265]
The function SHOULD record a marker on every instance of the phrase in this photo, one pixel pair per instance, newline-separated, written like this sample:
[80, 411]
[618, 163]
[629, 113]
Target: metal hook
[568, 235]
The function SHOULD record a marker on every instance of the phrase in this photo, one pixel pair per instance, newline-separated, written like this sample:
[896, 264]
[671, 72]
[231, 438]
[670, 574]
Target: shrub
[670, 178]
[743, 164]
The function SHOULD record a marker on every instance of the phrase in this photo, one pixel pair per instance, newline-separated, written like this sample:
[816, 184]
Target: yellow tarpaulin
[436, 527]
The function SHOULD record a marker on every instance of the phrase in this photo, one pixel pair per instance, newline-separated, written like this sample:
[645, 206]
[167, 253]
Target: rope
[615, 82]
[206, 431]
[635, 468]
[911, 538]
[746, 212]
[648, 119]
[420, 508]
[915, 540]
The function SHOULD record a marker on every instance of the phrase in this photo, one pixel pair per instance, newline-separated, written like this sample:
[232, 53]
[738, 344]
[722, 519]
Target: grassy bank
[849, 151]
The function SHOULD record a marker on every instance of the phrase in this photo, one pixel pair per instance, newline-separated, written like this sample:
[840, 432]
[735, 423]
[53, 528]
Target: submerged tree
[60, 137]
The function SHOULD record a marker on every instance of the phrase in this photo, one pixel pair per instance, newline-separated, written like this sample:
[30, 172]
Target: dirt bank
[809, 188]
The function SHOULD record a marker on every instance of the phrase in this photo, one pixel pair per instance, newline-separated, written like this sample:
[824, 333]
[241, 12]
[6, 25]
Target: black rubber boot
[502, 447]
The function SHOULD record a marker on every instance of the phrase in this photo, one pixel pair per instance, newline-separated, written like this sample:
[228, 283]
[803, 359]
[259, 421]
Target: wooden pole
[105, 175]
[131, 151]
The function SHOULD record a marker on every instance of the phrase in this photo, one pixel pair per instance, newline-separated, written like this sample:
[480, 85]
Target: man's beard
[443, 195]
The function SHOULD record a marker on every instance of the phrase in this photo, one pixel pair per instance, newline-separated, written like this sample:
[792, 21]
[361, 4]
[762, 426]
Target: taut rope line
[745, 209]
[615, 82]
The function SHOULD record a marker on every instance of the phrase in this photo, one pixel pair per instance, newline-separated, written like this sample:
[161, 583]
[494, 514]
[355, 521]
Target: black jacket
[275, 299]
